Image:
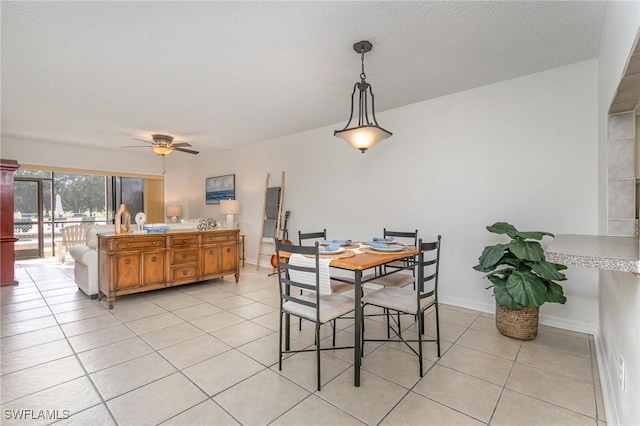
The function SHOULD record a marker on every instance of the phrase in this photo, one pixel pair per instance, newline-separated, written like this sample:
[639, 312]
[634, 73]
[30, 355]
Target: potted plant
[521, 278]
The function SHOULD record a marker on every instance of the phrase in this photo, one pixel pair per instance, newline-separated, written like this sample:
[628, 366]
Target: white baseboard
[550, 320]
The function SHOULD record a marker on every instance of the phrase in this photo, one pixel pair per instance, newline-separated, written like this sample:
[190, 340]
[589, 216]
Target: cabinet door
[152, 267]
[127, 271]
[210, 260]
[229, 257]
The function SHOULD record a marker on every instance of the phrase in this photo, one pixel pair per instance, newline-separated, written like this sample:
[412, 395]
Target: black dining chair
[400, 279]
[412, 301]
[406, 273]
[299, 268]
[337, 286]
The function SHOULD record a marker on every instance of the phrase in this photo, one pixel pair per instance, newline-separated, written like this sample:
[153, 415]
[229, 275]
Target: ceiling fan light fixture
[162, 139]
[162, 150]
[367, 132]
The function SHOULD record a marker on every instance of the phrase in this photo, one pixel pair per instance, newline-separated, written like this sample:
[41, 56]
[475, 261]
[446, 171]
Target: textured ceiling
[228, 74]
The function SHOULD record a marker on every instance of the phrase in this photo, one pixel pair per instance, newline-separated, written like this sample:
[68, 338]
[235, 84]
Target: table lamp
[229, 207]
[174, 211]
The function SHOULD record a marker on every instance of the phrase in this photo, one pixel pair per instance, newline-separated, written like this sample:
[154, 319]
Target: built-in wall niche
[623, 151]
[621, 171]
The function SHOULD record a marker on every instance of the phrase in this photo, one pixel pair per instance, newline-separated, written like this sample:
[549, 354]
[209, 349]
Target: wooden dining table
[358, 264]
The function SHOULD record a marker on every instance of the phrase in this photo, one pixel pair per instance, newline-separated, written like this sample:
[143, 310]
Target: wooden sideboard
[132, 263]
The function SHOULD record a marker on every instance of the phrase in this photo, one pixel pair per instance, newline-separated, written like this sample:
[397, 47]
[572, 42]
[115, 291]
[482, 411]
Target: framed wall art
[220, 188]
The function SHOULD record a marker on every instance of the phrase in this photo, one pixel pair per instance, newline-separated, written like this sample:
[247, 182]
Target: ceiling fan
[163, 145]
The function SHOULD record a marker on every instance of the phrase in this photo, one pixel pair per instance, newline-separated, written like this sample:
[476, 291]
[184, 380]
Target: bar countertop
[611, 253]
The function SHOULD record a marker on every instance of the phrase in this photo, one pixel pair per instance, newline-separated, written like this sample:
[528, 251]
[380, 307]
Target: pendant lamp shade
[367, 132]
[363, 137]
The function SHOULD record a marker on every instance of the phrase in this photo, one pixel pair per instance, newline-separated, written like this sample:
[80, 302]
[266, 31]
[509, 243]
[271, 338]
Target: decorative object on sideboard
[230, 208]
[140, 219]
[122, 213]
[174, 211]
[219, 188]
[522, 280]
[367, 133]
[207, 224]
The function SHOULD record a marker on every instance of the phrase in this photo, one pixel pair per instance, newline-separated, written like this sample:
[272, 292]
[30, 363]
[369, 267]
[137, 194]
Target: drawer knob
[128, 244]
[184, 255]
[154, 259]
[210, 251]
[185, 272]
[184, 241]
[155, 242]
[127, 261]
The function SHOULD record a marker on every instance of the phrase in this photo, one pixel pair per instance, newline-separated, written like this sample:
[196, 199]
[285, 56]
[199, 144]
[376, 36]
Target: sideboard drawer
[183, 241]
[135, 243]
[182, 273]
[184, 256]
[215, 239]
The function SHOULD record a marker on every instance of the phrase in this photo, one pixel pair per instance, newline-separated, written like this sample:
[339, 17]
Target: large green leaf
[491, 256]
[534, 235]
[526, 288]
[502, 295]
[547, 270]
[503, 228]
[512, 232]
[555, 293]
[527, 250]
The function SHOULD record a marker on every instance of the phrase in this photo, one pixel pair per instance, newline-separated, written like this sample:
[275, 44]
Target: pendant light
[367, 133]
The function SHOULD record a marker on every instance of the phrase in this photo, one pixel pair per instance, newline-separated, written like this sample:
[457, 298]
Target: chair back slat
[411, 235]
[308, 303]
[297, 284]
[319, 235]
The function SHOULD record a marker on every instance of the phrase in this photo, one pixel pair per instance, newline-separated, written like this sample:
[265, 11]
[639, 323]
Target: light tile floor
[206, 353]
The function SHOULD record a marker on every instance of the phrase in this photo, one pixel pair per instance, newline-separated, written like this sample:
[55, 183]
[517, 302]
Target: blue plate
[388, 247]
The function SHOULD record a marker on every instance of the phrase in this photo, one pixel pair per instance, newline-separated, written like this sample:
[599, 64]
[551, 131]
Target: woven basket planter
[521, 324]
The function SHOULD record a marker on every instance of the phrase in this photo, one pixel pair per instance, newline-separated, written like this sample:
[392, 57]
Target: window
[47, 200]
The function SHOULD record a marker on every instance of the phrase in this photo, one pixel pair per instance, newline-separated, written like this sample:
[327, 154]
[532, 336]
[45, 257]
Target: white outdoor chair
[72, 235]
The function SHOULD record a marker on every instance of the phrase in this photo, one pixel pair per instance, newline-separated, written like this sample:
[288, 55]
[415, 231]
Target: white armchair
[85, 270]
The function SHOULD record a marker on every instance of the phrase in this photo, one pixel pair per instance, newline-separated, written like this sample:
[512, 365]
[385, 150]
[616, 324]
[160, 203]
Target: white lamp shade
[162, 150]
[229, 206]
[363, 137]
[174, 210]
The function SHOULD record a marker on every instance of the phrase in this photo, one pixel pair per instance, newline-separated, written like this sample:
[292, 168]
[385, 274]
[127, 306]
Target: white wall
[523, 151]
[177, 182]
[619, 300]
[142, 161]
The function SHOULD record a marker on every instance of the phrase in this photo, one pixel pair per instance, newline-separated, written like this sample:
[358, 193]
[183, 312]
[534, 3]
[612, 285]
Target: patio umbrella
[59, 211]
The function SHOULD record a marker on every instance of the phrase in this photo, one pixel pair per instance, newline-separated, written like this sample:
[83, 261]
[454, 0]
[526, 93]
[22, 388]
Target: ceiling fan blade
[142, 140]
[190, 151]
[180, 144]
